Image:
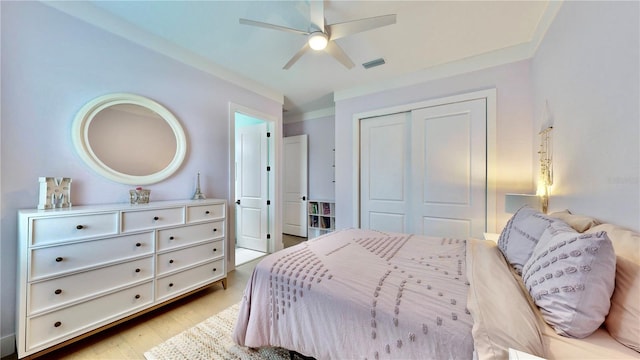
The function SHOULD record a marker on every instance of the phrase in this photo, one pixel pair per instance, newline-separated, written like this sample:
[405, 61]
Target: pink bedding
[360, 294]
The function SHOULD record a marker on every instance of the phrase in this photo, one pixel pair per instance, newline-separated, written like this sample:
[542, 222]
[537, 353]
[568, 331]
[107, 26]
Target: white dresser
[84, 268]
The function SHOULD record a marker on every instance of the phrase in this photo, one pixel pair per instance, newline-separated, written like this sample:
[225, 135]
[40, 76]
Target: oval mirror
[129, 139]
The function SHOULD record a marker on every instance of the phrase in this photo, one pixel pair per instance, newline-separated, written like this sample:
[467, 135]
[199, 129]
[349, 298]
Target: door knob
[238, 201]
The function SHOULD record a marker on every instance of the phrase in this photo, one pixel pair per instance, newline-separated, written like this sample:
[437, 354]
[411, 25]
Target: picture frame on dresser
[86, 268]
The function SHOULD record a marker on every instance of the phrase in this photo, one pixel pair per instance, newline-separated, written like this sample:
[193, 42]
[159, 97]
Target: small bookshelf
[321, 217]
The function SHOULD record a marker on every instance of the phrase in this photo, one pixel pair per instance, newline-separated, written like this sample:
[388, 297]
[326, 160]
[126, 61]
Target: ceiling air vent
[373, 63]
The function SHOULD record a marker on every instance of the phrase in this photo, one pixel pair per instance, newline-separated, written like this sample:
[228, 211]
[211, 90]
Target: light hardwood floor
[131, 339]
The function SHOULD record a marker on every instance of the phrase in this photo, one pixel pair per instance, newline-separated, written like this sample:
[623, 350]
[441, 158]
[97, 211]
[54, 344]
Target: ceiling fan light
[318, 40]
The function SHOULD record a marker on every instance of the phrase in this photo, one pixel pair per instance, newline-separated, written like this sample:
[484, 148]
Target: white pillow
[571, 277]
[521, 234]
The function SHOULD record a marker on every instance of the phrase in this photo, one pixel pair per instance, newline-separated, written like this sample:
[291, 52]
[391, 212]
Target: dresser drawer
[56, 292]
[64, 258]
[73, 320]
[182, 258]
[205, 212]
[187, 280]
[133, 220]
[57, 229]
[185, 235]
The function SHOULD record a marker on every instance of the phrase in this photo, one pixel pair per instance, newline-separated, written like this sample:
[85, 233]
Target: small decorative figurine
[139, 196]
[198, 195]
[54, 193]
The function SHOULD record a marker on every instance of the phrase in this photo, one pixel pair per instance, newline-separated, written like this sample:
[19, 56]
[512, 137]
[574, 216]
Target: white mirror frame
[80, 138]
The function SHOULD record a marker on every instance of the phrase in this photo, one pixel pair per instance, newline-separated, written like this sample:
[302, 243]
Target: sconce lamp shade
[513, 202]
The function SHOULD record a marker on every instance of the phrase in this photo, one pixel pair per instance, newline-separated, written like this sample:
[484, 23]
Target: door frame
[274, 154]
[488, 94]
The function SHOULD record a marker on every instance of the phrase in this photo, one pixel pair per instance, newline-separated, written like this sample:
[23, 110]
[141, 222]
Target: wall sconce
[546, 168]
[513, 202]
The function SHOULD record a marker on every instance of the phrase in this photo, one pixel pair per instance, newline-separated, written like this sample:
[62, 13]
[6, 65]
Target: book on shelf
[326, 222]
[326, 208]
[314, 207]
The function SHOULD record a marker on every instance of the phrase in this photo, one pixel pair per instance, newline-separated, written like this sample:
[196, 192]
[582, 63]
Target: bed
[364, 294]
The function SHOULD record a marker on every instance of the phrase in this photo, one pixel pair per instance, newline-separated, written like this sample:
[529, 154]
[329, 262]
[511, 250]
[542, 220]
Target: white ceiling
[429, 37]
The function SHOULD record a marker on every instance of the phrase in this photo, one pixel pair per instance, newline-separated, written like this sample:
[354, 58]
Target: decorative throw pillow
[571, 277]
[521, 234]
[579, 223]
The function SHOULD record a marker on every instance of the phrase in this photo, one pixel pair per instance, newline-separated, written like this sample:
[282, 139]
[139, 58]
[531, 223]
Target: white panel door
[384, 184]
[424, 171]
[449, 170]
[295, 186]
[251, 187]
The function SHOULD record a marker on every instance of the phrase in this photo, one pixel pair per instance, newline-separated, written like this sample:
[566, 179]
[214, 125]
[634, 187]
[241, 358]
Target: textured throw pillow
[579, 223]
[521, 234]
[570, 277]
[623, 321]
[626, 243]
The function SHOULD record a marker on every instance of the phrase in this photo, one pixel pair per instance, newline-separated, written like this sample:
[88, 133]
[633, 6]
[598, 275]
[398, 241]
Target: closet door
[424, 171]
[384, 180]
[448, 170]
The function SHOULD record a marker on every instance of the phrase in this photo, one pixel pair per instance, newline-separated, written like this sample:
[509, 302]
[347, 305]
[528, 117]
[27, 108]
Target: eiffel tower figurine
[198, 195]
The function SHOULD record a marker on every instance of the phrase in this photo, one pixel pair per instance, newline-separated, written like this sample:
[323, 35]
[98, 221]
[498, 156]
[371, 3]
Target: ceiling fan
[322, 37]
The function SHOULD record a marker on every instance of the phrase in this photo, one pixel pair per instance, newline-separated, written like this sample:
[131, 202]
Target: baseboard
[7, 345]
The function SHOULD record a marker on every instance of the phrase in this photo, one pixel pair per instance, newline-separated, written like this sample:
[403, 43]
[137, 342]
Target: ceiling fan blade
[297, 56]
[272, 26]
[337, 31]
[336, 51]
[317, 14]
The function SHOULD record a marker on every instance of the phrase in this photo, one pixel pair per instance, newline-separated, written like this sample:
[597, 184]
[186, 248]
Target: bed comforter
[361, 294]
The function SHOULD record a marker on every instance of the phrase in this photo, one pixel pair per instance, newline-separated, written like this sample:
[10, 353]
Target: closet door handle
[238, 201]
[304, 198]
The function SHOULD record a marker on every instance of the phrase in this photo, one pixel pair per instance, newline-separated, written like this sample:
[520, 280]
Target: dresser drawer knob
[138, 244]
[215, 269]
[137, 296]
[79, 227]
[170, 284]
[57, 324]
[207, 212]
[214, 249]
[59, 259]
[58, 291]
[214, 229]
[171, 237]
[138, 270]
[156, 218]
[171, 261]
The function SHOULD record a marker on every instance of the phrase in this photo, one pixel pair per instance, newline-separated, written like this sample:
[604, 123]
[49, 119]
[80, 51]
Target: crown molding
[498, 57]
[87, 12]
[310, 115]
